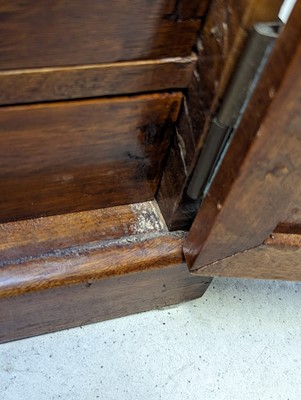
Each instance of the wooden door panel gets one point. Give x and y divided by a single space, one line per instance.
258 182
80 155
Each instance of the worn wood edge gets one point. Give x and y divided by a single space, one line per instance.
92 261
71 82
229 169
68 306
34 237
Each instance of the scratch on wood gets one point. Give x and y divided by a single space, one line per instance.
182 149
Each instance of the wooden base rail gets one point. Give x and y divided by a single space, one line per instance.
64 271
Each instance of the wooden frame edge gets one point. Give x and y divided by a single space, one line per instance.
68 306
279 258
94 282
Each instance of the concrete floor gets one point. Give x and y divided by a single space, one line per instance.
241 340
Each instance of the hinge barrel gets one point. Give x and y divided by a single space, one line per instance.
241 86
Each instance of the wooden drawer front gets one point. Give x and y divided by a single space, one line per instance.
80 155
54 33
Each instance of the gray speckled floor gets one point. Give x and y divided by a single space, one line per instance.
241 340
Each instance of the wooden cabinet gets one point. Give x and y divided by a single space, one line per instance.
105 110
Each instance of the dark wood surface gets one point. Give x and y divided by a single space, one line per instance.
88 302
92 261
262 262
80 155
259 178
34 237
45 34
97 265
60 83
188 9
221 40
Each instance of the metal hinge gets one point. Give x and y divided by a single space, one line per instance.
241 87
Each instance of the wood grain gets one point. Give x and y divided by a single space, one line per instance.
60 83
223 38
259 178
284 239
88 302
86 263
34 237
279 257
293 215
262 262
69 270
81 155
177 208
288 227
46 34
220 43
